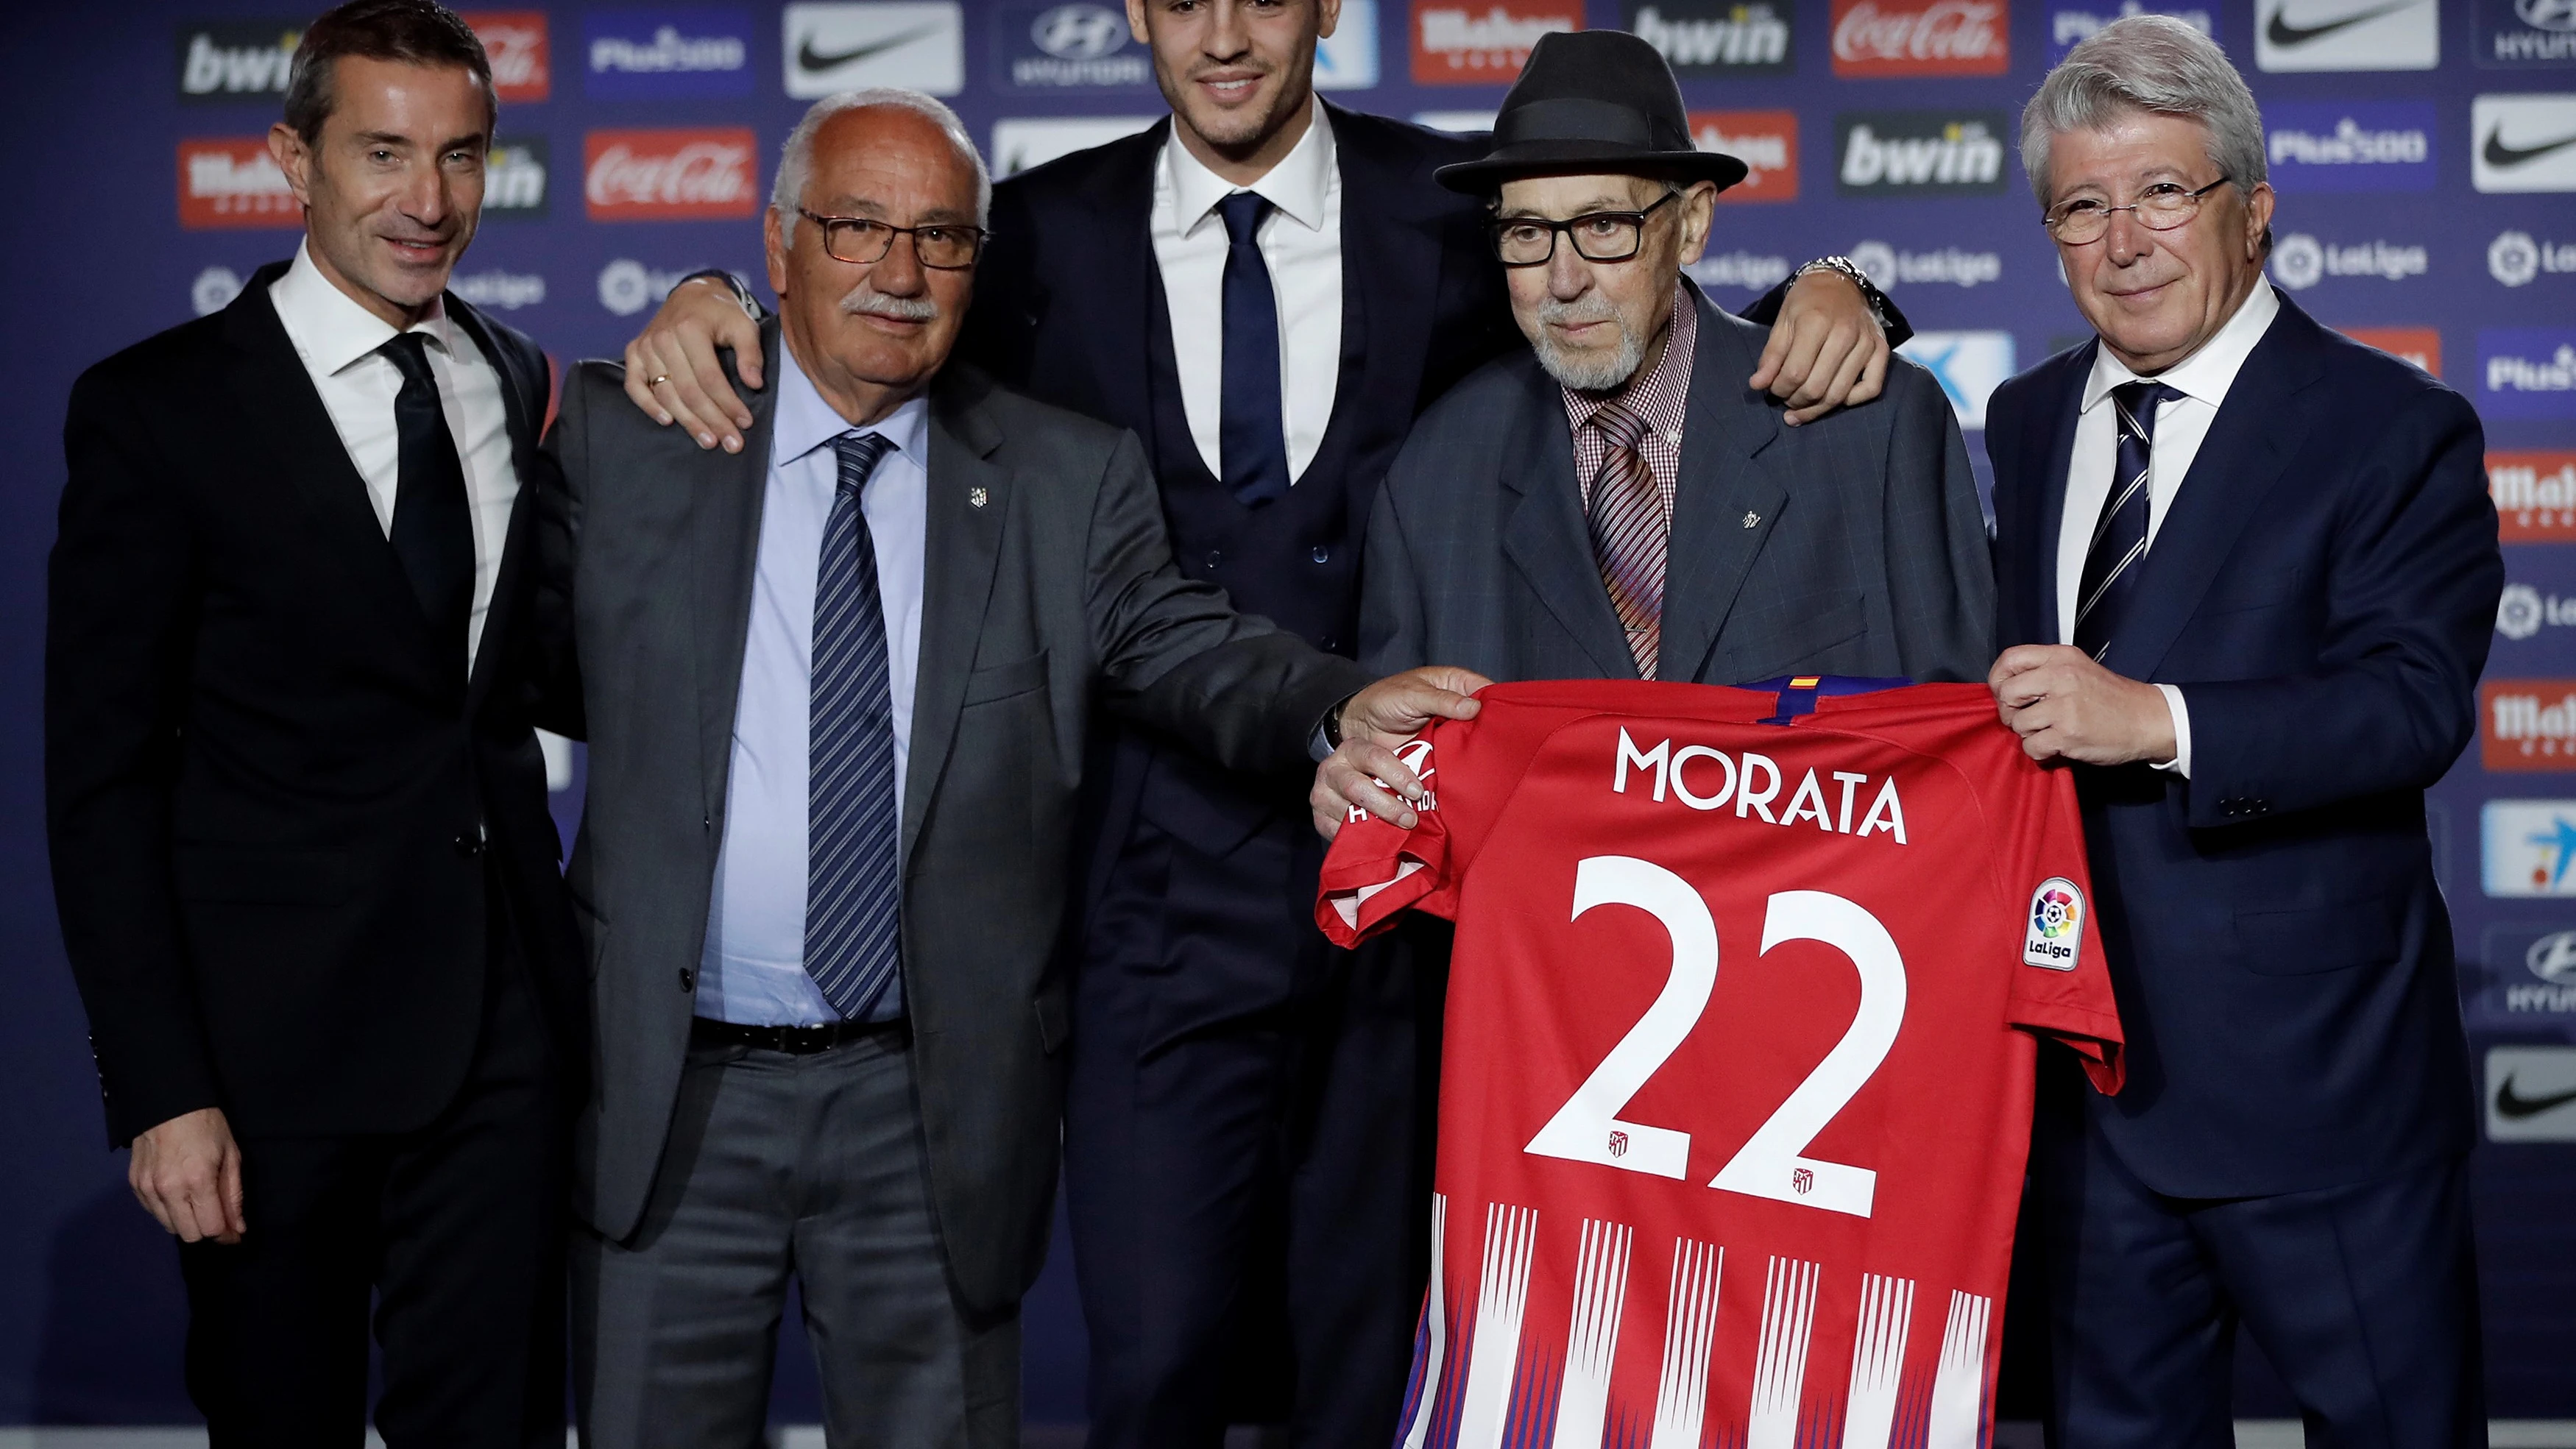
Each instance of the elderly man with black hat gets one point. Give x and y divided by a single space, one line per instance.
1615 503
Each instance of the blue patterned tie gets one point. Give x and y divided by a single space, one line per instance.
2118 553
851 885
1252 440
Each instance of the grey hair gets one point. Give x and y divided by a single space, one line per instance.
2154 63
796 160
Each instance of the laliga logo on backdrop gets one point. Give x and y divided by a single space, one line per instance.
2301 261
214 290
2515 258
1945 37
628 287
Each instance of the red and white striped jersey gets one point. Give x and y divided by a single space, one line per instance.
1736 1077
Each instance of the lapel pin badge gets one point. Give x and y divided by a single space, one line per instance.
977 497
1753 520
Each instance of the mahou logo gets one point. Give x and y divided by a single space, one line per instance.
230 181
2530 724
1483 42
670 175
1921 37
1766 141
2535 495
2421 346
515 42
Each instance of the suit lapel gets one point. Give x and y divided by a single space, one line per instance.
726 491
2052 430
2258 431
969 502
1545 536
1386 308
1724 428
1115 285
523 403
272 384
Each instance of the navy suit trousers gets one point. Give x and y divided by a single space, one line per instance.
2363 1296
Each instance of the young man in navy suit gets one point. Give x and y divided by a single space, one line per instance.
1266 289
2247 570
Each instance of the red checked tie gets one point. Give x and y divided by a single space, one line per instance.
1630 534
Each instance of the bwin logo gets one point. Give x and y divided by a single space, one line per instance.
1079 32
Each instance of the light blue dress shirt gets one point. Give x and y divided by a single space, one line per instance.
753 968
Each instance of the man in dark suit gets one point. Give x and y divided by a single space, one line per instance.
1524 530
2247 570
1266 289
298 813
867 657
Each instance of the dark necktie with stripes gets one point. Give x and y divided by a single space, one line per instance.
432 531
2118 554
1630 534
851 886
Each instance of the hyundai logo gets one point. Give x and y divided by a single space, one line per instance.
2553 958
1079 32
2547 14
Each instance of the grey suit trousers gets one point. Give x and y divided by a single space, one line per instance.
778 1166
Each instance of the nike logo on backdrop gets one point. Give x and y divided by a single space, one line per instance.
2497 153
2513 1106
2282 32
811 59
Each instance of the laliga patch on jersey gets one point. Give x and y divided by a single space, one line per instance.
2056 925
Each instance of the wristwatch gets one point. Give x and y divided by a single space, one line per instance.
1868 290
750 304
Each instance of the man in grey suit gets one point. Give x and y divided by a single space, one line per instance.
1524 531
828 1039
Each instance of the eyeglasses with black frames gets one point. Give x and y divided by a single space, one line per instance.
2163 206
1598 236
942 246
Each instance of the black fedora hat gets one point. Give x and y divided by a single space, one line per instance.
1592 101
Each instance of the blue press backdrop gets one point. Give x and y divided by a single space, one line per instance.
2426 157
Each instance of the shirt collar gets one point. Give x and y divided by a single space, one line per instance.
2208 373
1296 185
328 325
805 422
1663 391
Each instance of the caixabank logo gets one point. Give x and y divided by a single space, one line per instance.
1765 141
2527 848
2522 143
670 174
2317 146
1483 42
1968 365
1713 38
2526 725
2527 372
2535 495
228 182
236 60
1877 38
514 41
2521 34
2295 35
1920 153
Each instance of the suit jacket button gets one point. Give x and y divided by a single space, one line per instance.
688 979
468 844
1215 557
1321 554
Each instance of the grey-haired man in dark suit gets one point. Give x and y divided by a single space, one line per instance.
1614 503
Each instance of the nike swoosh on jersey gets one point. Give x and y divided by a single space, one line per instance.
2513 1106
811 59
2282 32
2497 153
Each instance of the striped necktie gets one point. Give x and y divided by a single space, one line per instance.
851 885
2118 553
1630 534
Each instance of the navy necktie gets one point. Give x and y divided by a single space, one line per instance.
2118 554
851 885
432 532
1252 441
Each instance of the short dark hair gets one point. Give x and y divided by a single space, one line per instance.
415 32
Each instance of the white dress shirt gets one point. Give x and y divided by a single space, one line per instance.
2180 424
1300 241
752 968
338 341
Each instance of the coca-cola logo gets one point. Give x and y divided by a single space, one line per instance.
1921 37
670 175
515 43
